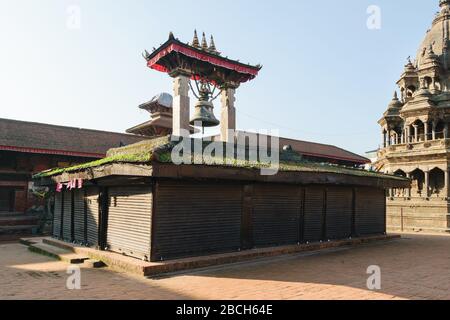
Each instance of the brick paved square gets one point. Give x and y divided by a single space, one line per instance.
415 267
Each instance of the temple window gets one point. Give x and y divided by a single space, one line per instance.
400 192
418 131
437 181
410 91
439 130
428 82
418 179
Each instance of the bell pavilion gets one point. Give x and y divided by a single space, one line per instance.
415 135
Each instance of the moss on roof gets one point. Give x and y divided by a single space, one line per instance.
130 158
160 150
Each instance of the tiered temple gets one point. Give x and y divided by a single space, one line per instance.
415 134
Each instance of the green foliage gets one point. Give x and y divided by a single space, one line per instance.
143 157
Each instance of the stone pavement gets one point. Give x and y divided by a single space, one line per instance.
416 267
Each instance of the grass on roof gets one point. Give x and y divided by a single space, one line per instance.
159 150
144 157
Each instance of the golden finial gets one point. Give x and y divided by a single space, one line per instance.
212 45
195 42
204 43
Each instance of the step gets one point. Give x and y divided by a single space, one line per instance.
18 220
57 253
18 229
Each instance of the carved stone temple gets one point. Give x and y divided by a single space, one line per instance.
415 135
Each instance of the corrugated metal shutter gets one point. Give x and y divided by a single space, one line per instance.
196 219
339 213
57 215
313 219
276 215
67 216
129 220
79 216
93 220
370 217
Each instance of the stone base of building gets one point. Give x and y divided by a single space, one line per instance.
418 215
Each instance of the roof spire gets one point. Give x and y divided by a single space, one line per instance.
204 43
171 36
443 3
212 45
395 95
195 42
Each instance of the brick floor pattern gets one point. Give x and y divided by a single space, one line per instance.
416 267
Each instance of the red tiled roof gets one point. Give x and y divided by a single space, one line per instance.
318 150
323 151
32 137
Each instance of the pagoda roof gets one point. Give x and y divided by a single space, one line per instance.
174 54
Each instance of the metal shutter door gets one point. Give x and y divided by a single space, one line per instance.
79 217
92 209
313 219
57 215
129 221
196 219
67 216
370 211
339 213
276 215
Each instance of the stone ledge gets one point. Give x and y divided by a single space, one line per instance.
122 263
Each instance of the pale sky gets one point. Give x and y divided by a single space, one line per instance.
326 76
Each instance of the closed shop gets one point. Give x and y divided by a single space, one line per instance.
370 211
313 214
7 197
276 215
196 218
92 216
339 213
57 215
129 221
79 216
67 216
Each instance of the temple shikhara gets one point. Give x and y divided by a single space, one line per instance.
415 135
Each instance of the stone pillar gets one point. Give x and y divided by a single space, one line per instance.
426 130
427 184
434 130
408 134
181 104
446 184
383 134
228 114
416 133
446 131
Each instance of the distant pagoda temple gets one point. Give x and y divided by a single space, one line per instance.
415 135
211 72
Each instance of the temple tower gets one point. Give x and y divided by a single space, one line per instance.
415 135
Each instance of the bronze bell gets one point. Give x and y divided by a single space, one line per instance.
204 111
